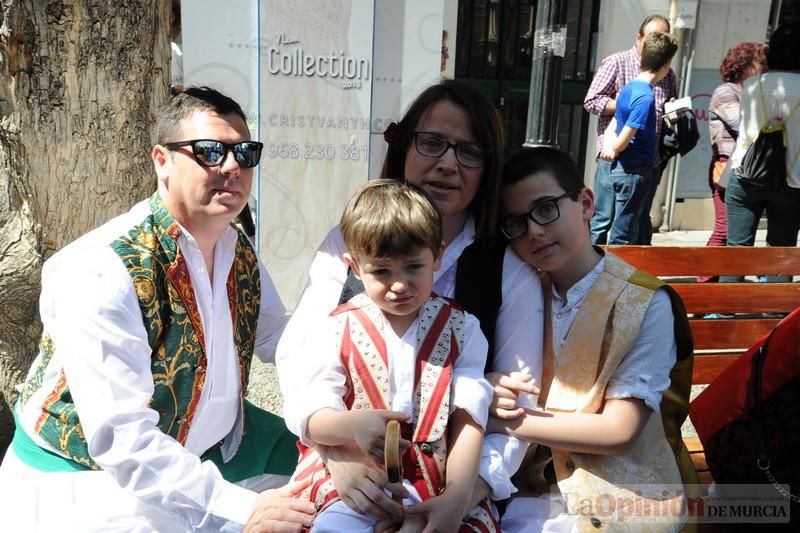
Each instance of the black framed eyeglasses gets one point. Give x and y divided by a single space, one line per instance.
430 144
543 213
211 153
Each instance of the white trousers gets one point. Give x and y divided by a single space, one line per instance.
89 501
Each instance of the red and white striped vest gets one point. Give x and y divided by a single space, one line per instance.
440 337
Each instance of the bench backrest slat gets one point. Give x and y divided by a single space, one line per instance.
739 297
718 342
729 334
711 261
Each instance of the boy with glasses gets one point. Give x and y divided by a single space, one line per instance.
133 415
613 335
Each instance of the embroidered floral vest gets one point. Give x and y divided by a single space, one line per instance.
171 318
607 492
364 355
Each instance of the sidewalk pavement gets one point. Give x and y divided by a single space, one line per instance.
695 238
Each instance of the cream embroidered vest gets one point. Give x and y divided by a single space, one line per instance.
611 492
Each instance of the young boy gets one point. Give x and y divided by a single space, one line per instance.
397 352
630 144
611 339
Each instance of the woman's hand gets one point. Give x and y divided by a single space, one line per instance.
443 513
360 482
507 387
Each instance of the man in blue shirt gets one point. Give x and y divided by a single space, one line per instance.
630 144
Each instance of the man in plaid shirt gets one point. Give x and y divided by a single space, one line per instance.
615 71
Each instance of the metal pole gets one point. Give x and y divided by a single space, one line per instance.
549 45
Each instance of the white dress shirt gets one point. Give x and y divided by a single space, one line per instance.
518 337
90 309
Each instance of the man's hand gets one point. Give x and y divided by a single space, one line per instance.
277 510
360 482
507 386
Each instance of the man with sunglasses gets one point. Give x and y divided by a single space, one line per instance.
133 415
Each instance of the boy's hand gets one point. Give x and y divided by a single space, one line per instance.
360 482
369 431
608 153
507 386
444 512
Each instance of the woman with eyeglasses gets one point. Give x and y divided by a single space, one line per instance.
450 144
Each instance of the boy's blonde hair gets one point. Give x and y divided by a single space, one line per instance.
387 218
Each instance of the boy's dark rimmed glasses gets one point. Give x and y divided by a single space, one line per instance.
543 213
430 144
211 153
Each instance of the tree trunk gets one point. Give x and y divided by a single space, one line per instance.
80 81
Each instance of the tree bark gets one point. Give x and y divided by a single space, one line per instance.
80 82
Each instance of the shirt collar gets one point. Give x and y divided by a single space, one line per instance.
581 288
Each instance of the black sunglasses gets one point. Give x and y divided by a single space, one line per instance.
211 153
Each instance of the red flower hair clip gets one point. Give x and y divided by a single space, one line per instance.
395 134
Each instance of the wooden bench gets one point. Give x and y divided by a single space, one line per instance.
718 342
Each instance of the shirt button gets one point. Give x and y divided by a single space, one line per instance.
595 522
426 448
181 421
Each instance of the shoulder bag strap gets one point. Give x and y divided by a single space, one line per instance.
762 460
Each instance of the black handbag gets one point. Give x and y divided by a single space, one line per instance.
763 165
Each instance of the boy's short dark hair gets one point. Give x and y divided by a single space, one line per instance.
543 159
658 49
389 218
191 101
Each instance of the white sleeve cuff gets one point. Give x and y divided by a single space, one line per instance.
500 452
233 503
640 389
473 396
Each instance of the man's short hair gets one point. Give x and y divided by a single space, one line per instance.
658 49
652 18
188 102
387 218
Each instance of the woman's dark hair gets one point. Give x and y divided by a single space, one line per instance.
739 58
784 47
488 131
543 159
